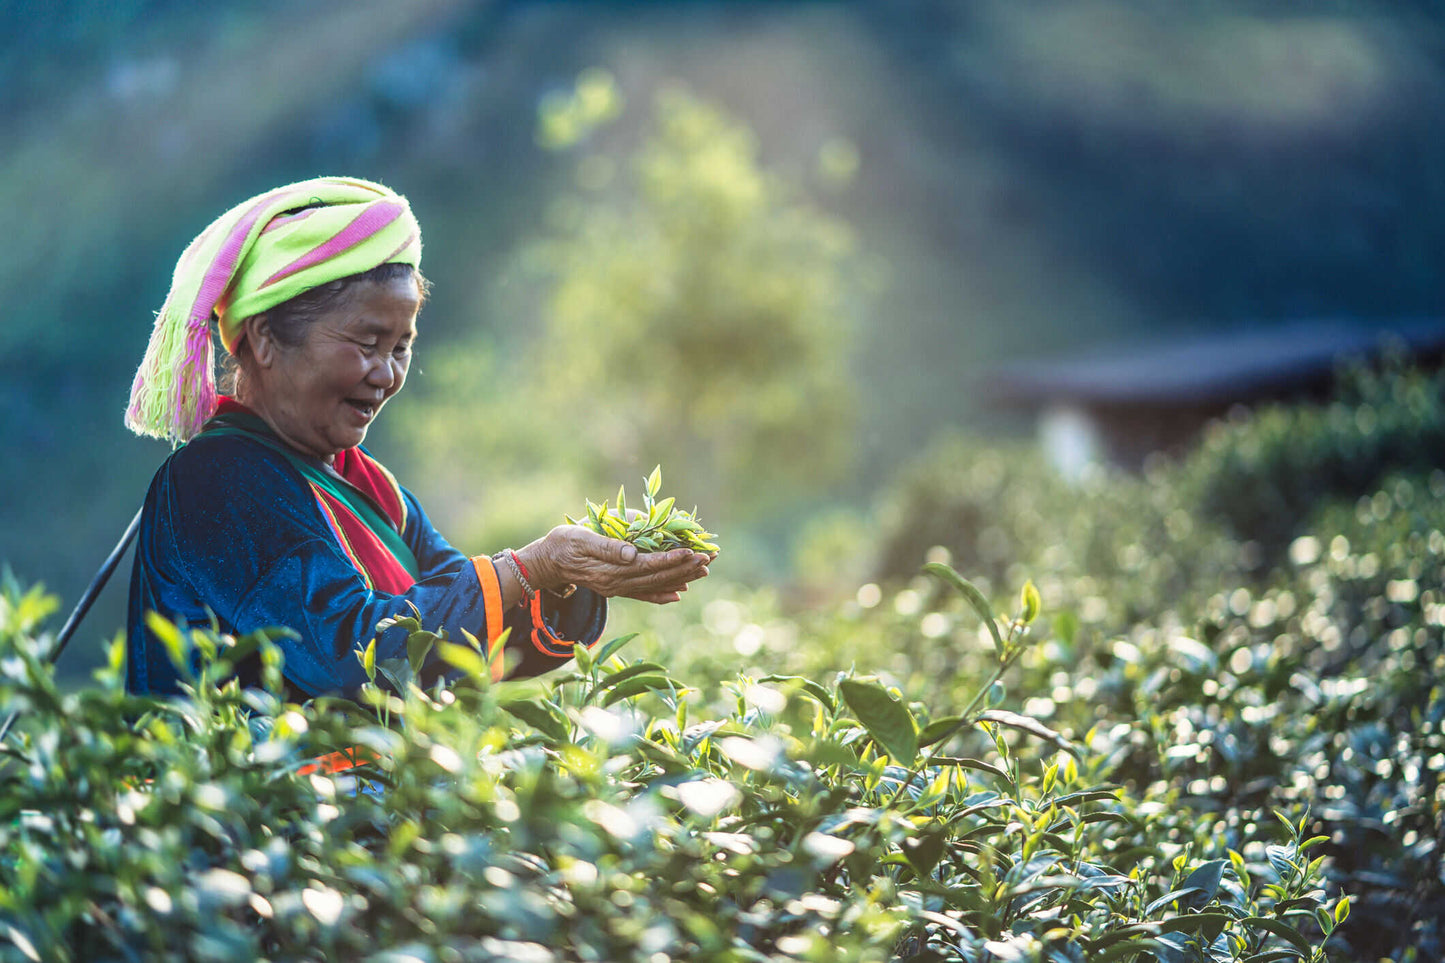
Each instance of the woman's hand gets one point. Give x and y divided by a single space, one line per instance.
609 566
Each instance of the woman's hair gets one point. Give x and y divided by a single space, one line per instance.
289 320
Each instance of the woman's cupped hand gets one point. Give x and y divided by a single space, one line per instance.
572 554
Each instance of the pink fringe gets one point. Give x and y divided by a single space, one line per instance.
194 407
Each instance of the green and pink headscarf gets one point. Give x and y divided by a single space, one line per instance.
257 255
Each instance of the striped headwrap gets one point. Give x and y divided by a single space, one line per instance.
257 255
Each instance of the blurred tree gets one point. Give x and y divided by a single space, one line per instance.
698 310
694 312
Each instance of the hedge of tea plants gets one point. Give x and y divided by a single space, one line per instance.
1255 627
604 814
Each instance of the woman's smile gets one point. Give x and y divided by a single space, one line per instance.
322 395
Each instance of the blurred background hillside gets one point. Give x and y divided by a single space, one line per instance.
775 247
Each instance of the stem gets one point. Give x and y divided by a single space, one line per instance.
964 720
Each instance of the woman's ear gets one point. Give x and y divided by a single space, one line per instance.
257 336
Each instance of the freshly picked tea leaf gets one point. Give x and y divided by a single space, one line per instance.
660 525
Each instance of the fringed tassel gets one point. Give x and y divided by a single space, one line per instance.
174 392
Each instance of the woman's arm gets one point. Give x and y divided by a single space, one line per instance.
233 531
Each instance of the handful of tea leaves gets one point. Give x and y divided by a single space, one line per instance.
656 527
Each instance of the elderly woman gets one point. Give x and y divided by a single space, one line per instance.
272 514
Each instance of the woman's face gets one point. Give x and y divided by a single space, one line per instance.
322 395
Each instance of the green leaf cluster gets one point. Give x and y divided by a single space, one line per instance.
657 527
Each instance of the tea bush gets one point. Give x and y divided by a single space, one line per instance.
1255 627
1264 478
602 814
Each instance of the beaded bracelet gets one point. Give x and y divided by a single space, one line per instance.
509 557
557 593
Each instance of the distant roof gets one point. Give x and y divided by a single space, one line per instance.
1220 368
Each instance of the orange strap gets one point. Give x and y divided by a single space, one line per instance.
492 607
543 638
339 761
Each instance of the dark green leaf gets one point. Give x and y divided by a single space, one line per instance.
1106 817
1169 897
1282 859
1205 879
938 729
1087 795
1027 724
622 675
976 764
539 717
1283 930
397 672
924 851
1120 951
887 719
418 646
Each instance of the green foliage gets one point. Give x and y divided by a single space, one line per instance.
593 816
719 333
1263 478
1256 627
658 526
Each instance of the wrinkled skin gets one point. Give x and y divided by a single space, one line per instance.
610 567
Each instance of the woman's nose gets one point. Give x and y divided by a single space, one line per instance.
383 374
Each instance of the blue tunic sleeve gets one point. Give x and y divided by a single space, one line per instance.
231 535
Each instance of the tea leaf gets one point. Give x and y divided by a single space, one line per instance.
974 598
465 658
622 675
539 717
640 684
807 685
924 851
1027 724
1205 879
1283 930
887 720
1031 602
611 648
936 730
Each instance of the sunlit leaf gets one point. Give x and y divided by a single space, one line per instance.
611 647
887 719
974 598
1030 602
807 685
1027 724
640 684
